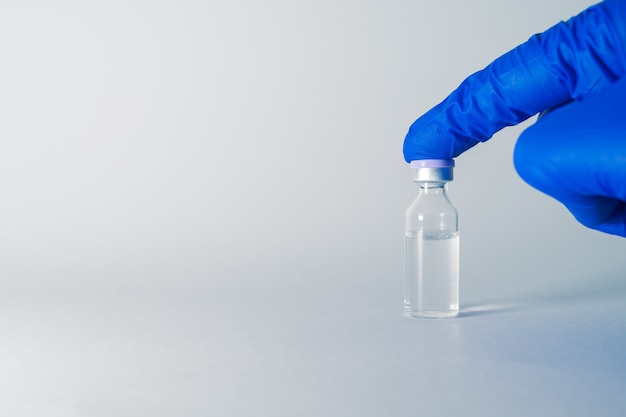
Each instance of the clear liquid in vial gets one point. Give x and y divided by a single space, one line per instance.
432 275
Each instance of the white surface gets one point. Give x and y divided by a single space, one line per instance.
202 214
317 344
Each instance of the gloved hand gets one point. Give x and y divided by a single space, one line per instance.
575 152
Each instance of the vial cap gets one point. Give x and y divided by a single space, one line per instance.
432 170
432 163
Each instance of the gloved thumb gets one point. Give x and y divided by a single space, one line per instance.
576 153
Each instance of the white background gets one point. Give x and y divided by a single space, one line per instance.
202 208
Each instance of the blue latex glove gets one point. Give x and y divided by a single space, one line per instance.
576 152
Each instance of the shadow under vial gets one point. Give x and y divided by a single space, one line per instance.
593 288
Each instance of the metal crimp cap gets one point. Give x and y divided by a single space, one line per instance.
432 170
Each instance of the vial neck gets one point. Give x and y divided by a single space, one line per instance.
433 187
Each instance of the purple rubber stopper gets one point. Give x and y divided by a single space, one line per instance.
432 163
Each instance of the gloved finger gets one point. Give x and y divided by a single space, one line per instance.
576 153
569 61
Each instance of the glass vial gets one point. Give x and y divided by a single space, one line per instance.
432 244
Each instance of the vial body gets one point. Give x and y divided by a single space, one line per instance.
432 255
